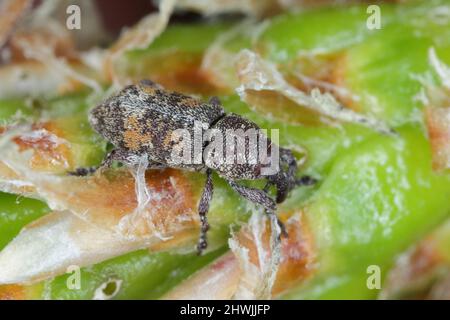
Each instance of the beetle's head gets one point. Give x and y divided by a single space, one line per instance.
104 121
285 179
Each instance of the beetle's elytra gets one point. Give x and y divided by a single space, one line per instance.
142 119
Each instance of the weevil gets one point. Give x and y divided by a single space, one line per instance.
141 120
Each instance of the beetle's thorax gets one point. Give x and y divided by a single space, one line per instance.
237 149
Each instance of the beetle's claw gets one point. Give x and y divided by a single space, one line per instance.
201 246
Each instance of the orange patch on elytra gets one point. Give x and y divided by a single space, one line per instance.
133 136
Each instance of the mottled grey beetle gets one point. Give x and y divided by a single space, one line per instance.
141 120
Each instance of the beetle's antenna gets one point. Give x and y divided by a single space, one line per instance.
285 180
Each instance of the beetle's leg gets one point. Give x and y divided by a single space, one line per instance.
284 184
203 209
267 186
259 197
281 181
110 157
106 163
254 195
